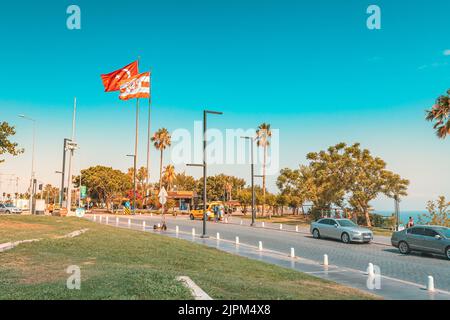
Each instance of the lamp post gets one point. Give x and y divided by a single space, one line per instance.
134 184
204 165
32 189
397 211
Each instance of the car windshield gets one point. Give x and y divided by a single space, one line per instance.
444 231
10 205
347 223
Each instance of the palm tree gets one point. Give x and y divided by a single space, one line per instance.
161 140
440 113
169 176
263 135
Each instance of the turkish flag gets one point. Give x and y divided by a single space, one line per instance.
111 81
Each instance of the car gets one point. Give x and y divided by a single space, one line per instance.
429 239
9 208
197 212
341 229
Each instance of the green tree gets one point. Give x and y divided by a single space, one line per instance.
263 135
244 197
440 115
438 213
161 140
105 183
6 146
169 176
184 182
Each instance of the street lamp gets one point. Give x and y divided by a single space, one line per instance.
204 165
134 182
32 207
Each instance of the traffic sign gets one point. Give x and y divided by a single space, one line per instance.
162 196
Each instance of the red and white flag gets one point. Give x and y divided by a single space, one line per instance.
135 87
111 81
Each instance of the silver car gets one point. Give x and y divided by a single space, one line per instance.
431 239
9 208
342 229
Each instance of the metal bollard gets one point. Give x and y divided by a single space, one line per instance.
296 228
129 223
107 219
193 232
117 221
325 260
430 284
237 240
95 217
218 236
292 253
143 225
260 246
281 226
262 224
100 219
177 229
241 222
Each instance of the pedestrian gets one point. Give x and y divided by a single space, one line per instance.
410 223
216 213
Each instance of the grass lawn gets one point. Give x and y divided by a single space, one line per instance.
127 264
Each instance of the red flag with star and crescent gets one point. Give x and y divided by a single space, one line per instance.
111 81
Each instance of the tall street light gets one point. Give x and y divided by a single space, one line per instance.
134 184
204 165
253 176
32 207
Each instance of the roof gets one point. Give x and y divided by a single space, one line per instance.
181 194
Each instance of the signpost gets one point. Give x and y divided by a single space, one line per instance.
163 199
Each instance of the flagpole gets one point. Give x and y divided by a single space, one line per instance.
135 156
148 137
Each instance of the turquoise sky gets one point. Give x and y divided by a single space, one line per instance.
310 68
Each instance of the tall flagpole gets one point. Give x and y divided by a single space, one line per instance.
148 138
69 182
135 156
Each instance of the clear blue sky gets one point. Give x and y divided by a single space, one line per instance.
310 68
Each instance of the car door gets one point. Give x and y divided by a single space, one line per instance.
335 232
324 227
2 208
431 243
414 238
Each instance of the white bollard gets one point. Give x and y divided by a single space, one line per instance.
370 271
129 222
193 232
100 219
218 236
281 226
292 253
117 221
325 260
296 228
430 284
107 219
151 214
260 247
95 217
241 222
143 225
177 229
262 225
226 220
237 240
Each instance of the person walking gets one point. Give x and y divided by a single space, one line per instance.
410 223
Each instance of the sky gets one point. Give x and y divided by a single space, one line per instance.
312 69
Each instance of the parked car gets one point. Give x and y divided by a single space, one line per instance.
9 208
342 229
197 212
431 239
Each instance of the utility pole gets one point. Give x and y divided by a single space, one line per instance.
32 180
72 147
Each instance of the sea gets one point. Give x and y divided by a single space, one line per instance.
404 215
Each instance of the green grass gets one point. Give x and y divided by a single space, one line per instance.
126 264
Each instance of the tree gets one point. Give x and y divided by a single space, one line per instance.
169 176
105 183
244 197
216 186
161 140
263 134
184 182
6 146
438 213
440 114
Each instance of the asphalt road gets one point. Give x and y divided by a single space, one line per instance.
413 268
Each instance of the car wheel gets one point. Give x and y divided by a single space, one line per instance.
316 234
447 253
403 247
8 212
191 216
345 238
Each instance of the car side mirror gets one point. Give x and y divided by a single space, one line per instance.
438 237
336 225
